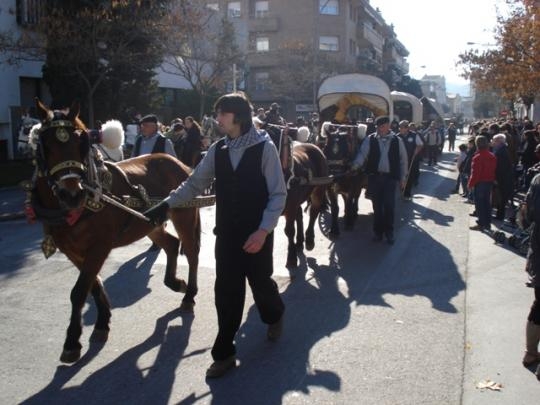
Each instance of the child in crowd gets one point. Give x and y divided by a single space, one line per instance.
462 177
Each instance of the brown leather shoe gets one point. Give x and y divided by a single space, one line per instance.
274 330
220 367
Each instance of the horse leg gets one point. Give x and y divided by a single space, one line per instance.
188 226
299 218
87 277
317 200
101 328
170 245
291 247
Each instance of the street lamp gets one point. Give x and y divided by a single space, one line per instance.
480 44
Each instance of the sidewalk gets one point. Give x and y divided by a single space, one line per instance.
497 303
11 203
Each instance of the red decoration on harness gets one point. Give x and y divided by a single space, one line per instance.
30 213
73 216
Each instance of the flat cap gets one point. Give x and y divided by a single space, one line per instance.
149 118
382 120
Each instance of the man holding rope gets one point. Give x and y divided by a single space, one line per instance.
385 158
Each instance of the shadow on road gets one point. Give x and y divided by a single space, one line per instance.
315 310
123 381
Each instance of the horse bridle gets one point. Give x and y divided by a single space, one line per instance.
62 135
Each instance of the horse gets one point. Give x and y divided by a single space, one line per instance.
86 231
300 163
340 144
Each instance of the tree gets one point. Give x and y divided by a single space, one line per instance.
203 51
97 51
513 65
409 85
302 69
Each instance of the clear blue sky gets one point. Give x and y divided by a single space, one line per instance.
435 32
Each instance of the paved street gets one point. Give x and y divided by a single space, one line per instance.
420 322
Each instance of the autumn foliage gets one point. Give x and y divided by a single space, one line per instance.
512 66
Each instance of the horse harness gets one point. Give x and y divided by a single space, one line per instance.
96 179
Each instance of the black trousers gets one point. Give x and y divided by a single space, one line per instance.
233 267
382 188
414 174
534 314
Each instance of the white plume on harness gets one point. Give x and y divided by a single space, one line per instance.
302 134
113 134
33 136
361 129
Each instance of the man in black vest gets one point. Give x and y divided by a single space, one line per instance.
250 197
413 144
151 140
385 159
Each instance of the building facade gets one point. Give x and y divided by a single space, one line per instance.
351 32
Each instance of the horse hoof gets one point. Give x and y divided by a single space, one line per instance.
310 246
70 356
177 285
187 307
99 336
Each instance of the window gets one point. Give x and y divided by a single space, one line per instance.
213 6
261 80
328 43
329 7
29 11
234 9
262 44
261 9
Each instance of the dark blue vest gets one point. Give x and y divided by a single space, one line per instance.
241 194
372 166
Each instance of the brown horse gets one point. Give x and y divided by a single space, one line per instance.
341 144
305 162
87 236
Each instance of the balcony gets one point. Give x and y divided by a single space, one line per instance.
263 22
262 59
366 35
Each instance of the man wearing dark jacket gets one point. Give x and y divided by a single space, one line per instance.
503 174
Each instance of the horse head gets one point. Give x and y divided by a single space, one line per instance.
339 147
62 148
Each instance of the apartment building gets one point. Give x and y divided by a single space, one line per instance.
352 31
20 83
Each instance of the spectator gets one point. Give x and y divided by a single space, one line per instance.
460 164
481 181
531 216
504 175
